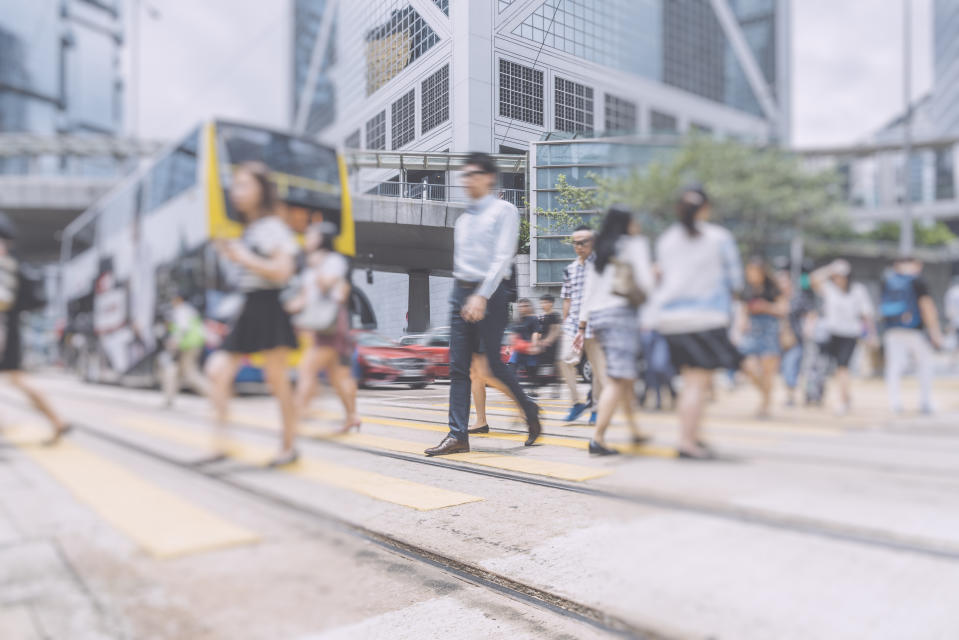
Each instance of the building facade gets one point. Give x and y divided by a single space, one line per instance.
60 72
495 75
945 101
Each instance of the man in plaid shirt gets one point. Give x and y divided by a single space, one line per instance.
574 278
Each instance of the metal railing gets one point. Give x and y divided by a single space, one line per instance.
435 192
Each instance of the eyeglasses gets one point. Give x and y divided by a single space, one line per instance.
475 172
581 243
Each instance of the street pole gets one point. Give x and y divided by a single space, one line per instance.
906 240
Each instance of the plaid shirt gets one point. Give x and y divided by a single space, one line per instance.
574 278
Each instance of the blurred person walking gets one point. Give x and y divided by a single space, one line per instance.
17 296
264 258
484 247
617 283
184 346
912 331
793 334
526 345
574 277
764 306
551 333
847 316
320 308
701 273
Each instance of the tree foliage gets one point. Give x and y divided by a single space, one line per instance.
936 235
764 195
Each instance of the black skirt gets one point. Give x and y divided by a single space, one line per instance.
703 350
840 349
11 357
263 324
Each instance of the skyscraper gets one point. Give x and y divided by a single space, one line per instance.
496 74
945 101
59 72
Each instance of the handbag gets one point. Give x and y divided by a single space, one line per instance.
624 283
320 312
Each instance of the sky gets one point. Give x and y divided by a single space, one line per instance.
206 57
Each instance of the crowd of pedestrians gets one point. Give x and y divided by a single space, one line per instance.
673 313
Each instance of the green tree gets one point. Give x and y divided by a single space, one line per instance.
764 194
935 235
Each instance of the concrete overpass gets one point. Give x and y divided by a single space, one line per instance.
43 197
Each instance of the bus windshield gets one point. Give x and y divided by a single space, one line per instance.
306 171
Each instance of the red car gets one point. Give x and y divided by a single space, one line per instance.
435 346
385 361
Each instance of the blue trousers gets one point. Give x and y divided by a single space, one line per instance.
466 339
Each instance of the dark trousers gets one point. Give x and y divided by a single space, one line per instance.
465 340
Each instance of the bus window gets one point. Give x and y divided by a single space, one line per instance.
172 174
83 239
307 173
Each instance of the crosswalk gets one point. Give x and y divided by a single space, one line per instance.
166 524
161 523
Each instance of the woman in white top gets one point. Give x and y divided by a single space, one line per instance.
613 319
324 282
264 257
847 316
700 273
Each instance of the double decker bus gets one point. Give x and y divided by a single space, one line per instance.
151 237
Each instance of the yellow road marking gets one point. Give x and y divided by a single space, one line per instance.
374 485
160 522
723 422
532 466
559 441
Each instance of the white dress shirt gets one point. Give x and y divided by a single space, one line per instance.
484 243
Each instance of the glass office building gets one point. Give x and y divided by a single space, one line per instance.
578 66
59 73
945 100
580 161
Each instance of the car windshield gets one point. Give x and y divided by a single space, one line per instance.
374 340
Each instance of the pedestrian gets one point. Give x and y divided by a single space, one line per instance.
484 248
912 330
321 308
847 316
700 273
622 265
551 332
16 296
526 344
793 335
952 315
264 261
184 345
764 305
574 276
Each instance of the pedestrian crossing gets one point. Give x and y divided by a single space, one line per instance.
161 523
398 491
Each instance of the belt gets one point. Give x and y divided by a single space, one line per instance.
467 284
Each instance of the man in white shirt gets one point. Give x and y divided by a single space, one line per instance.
484 247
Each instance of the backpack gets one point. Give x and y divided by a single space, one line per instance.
899 305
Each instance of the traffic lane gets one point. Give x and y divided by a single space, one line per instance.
301 579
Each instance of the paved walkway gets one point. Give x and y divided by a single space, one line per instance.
810 526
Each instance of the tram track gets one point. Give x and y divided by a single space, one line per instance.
468 572
670 502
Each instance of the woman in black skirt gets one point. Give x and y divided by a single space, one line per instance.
700 273
11 347
264 258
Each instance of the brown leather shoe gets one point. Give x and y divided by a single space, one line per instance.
448 446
